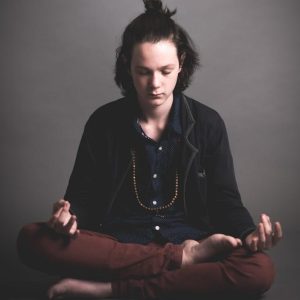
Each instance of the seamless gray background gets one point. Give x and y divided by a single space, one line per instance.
56 68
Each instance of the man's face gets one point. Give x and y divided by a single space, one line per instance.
154 69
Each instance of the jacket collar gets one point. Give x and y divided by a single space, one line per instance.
188 120
189 150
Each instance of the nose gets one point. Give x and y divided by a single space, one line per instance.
154 81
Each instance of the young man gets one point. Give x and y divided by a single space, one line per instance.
152 207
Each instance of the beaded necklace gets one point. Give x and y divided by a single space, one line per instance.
168 205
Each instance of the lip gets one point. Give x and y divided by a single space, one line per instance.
155 95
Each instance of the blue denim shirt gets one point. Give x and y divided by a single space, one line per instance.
156 164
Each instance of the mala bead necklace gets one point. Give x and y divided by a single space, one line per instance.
133 154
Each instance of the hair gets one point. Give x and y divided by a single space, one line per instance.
154 25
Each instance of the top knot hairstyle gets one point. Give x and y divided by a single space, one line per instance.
156 7
154 25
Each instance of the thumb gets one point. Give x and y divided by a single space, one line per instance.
58 205
67 206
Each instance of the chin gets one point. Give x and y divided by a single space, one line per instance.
156 101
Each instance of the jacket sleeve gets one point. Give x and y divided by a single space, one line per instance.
81 190
226 210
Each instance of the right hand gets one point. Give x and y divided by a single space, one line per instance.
62 221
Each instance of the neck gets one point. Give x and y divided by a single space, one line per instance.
156 114
154 119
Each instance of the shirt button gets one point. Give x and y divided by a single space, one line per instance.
154 202
155 175
160 148
156 227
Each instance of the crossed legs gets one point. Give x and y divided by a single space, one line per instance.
99 266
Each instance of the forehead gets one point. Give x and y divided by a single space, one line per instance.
152 54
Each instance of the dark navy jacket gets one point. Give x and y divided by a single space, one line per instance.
210 194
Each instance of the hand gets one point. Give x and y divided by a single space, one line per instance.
62 221
264 237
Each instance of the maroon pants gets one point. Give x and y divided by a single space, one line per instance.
143 271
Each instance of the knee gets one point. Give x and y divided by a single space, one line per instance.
264 274
27 240
258 274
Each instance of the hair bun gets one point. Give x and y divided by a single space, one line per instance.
156 7
153 6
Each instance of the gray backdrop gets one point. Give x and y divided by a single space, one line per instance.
56 68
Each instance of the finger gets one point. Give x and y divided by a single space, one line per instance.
249 240
253 245
74 230
57 205
71 226
261 237
67 205
60 218
239 243
53 220
63 218
76 233
277 233
58 212
234 242
267 231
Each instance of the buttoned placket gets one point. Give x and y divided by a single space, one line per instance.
155 203
156 181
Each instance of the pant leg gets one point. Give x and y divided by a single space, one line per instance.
93 255
240 273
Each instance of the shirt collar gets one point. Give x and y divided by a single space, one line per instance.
174 120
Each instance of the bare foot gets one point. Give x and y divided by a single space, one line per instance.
194 252
69 287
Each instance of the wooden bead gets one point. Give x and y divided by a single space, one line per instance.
136 190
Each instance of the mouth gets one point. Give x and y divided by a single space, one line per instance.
152 95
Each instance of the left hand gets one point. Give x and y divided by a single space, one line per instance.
265 236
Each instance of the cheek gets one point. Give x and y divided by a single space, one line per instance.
136 80
139 83
173 80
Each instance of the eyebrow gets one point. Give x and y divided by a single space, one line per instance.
163 67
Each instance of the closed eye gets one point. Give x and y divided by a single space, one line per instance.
143 72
